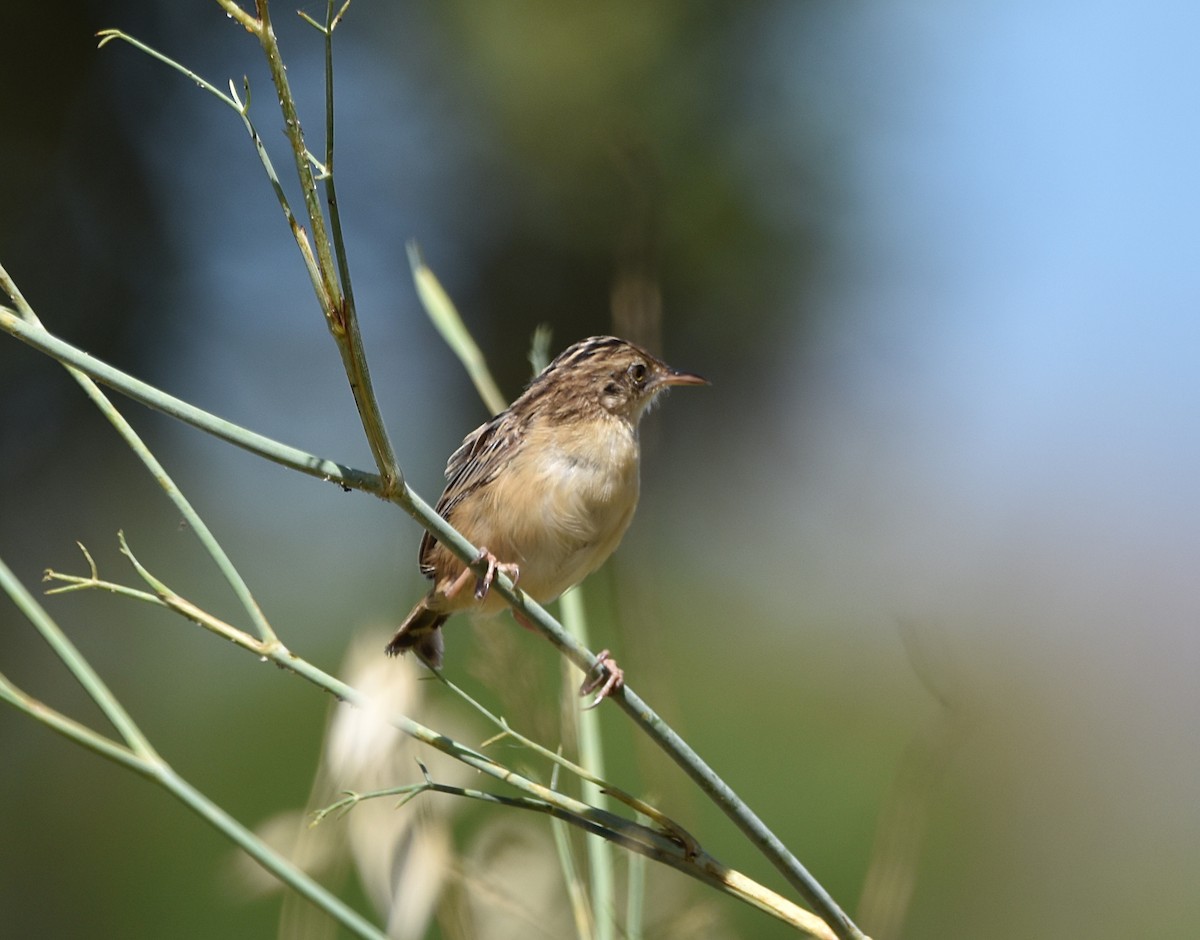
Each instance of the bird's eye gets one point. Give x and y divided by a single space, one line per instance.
637 372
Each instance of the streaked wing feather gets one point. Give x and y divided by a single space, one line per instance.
472 465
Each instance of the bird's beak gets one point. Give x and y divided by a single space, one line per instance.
675 377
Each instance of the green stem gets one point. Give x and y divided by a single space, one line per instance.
142 758
635 895
445 317
335 301
317 255
331 201
38 338
328 291
69 728
591 755
580 910
278 866
408 500
80 668
232 576
635 837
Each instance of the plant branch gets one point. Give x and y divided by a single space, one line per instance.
327 176
601 866
242 108
253 846
39 338
444 315
627 835
69 728
390 485
334 297
317 254
581 910
329 291
683 855
669 827
140 757
408 500
235 12
29 321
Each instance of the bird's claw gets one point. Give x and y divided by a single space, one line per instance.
607 677
483 583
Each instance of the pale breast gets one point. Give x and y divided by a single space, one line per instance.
560 509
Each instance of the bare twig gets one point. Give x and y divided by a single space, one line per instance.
659 846
641 713
137 754
331 287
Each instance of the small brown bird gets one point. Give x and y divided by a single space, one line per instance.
546 489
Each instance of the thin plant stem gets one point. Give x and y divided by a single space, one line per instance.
139 756
342 322
336 303
591 755
444 315
710 873
580 909
328 177
67 727
408 500
317 254
37 337
139 746
643 809
635 895
667 848
329 292
280 867
235 12
204 535
240 104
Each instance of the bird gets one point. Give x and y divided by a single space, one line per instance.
545 490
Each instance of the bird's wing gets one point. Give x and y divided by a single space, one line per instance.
474 464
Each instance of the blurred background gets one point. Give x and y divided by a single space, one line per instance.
916 574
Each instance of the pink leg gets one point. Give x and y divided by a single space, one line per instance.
609 676
459 583
483 582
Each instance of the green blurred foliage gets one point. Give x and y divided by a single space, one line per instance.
604 147
638 167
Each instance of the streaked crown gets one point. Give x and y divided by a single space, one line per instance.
603 372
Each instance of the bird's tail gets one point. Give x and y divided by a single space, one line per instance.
422 631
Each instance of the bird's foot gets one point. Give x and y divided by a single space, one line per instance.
483 583
608 676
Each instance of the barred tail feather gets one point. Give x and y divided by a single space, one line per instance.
422 631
